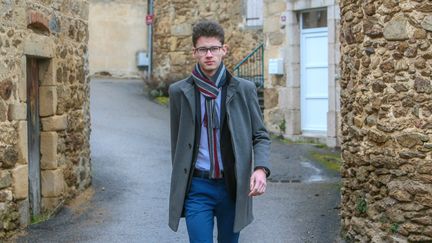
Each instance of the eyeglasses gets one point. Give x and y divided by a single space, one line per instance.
202 51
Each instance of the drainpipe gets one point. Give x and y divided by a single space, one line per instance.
150 38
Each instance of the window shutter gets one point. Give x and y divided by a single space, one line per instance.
254 13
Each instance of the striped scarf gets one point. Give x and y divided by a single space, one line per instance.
210 90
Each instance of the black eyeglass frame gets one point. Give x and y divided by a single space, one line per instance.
202 51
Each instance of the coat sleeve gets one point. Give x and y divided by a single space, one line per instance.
174 107
260 136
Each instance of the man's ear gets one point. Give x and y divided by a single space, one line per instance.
225 48
193 52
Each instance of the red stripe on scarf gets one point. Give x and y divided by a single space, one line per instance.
207 93
203 78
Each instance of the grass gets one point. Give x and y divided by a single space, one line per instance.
321 146
299 141
282 139
40 218
331 161
162 100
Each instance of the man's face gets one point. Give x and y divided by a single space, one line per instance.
209 53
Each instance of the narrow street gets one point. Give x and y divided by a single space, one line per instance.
128 200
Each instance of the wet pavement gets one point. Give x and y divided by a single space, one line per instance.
128 200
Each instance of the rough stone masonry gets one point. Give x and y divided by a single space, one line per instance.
386 59
55 34
173 30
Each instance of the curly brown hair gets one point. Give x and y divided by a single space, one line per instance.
207 28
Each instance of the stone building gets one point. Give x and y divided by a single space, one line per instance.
174 19
386 109
44 107
118 31
302 96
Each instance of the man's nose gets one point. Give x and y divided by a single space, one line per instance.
209 53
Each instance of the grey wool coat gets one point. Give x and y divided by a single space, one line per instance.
250 139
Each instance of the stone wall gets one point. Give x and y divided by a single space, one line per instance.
172 58
55 34
276 112
386 107
118 31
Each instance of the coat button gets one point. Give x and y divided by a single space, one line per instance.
190 146
185 170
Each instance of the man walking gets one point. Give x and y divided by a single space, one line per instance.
219 145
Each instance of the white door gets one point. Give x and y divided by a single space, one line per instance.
314 80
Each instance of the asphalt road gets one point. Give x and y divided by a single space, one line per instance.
128 200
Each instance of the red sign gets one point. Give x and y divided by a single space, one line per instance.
149 19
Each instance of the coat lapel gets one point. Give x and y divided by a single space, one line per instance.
189 93
228 92
232 89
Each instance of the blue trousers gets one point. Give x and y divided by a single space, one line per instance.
208 198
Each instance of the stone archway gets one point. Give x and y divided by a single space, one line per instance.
44 176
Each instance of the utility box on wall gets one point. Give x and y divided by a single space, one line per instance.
142 59
275 66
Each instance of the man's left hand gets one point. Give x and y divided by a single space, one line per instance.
258 183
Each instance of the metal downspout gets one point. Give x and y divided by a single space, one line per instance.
150 41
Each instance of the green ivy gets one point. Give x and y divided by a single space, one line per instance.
361 205
394 228
282 126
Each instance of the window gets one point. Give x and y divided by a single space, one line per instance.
254 12
314 19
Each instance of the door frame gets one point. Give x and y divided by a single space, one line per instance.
321 31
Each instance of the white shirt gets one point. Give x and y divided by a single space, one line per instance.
203 158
